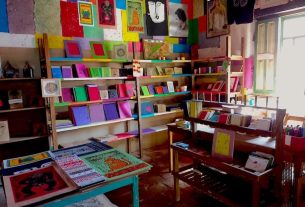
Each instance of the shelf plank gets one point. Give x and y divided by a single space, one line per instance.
21 109
19 79
166 95
93 79
158 114
210 74
164 61
62 59
167 76
214 59
65 104
20 139
241 129
93 125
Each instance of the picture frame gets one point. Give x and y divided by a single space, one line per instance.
97 50
217 22
73 49
234 83
51 87
106 13
223 144
120 51
217 86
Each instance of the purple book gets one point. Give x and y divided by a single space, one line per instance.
165 89
151 89
111 111
67 72
67 95
81 70
124 109
80 115
96 113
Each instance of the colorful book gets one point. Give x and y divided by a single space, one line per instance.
124 109
224 118
111 111
95 72
67 95
112 93
67 72
80 94
147 108
81 70
93 92
115 72
145 91
96 112
170 86
56 72
169 71
105 71
151 89
125 90
165 89
159 89
104 94
80 115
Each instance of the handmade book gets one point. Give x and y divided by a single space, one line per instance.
125 90
111 111
224 118
124 109
159 89
14 162
80 115
160 70
80 94
257 163
145 91
114 164
169 71
104 94
147 108
112 93
236 119
67 95
178 70
67 72
106 71
151 89
95 72
56 72
37 185
96 112
93 92
15 99
115 72
160 108
81 70
165 89
223 144
170 86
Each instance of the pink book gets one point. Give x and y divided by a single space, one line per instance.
96 112
125 90
124 109
81 70
93 92
67 95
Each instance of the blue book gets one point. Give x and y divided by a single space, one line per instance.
111 111
80 115
151 89
165 89
56 72
112 93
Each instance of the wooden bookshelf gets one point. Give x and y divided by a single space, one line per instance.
21 109
65 104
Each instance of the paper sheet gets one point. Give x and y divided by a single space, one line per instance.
128 36
69 20
115 34
96 31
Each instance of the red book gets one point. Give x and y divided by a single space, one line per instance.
67 95
202 115
223 118
125 90
93 92
159 89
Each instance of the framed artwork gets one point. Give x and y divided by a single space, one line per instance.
153 49
72 49
97 50
51 87
120 51
218 86
223 144
217 18
135 16
106 13
36 185
233 83
178 21
85 13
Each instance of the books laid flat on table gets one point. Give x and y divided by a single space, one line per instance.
63 123
80 115
100 201
96 112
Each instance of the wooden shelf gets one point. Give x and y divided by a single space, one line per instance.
164 61
234 128
20 139
94 79
210 74
166 95
21 109
215 59
18 79
62 59
65 104
158 114
166 76
93 125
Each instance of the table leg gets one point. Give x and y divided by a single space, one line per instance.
135 192
176 179
255 194
170 142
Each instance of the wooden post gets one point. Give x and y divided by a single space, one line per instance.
139 115
176 179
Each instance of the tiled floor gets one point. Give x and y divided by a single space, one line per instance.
156 187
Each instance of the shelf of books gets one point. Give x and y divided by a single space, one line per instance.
64 59
163 61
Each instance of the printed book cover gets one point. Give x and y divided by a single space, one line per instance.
67 95
14 162
124 109
111 111
37 185
96 112
80 115
115 164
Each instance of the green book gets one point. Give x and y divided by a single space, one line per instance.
95 72
145 90
106 71
80 94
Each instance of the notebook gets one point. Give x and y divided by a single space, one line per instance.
95 72
145 91
80 94
93 92
112 93
104 94
56 72
165 89
67 95
159 89
106 71
80 115
66 72
125 90
96 112
111 111
147 108
124 109
81 71
151 89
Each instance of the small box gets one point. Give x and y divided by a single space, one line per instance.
160 108
4 132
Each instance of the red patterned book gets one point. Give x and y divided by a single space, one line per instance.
93 92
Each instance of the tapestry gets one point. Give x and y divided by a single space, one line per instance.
178 21
156 18
106 13
135 16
